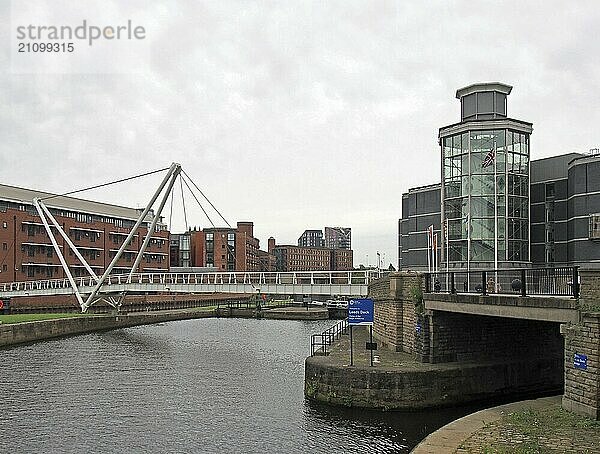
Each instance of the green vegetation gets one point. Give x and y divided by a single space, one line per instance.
537 431
416 295
22 318
531 422
590 307
525 448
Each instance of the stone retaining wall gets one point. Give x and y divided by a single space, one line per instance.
17 333
431 386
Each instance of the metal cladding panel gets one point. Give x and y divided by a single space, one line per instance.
560 253
577 180
593 176
428 201
554 168
405 202
561 189
538 253
538 233
538 213
538 193
560 231
423 222
560 210
585 251
581 228
593 205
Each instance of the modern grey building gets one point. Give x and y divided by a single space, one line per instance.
565 209
311 238
338 237
500 210
420 209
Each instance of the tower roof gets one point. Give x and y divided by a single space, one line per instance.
483 86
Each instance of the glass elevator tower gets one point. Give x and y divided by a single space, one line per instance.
485 183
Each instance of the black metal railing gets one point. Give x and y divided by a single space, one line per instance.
556 281
319 343
253 303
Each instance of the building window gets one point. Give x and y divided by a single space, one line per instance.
549 190
4 225
4 246
594 226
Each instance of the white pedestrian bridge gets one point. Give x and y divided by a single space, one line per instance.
334 283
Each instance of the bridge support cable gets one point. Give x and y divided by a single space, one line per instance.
40 205
206 198
36 202
174 176
105 184
175 168
199 204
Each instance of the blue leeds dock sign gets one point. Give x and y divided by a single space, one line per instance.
580 361
360 312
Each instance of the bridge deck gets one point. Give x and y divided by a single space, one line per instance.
544 308
347 283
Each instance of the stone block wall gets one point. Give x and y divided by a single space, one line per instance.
395 316
582 378
589 294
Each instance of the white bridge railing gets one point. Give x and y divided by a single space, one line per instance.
254 279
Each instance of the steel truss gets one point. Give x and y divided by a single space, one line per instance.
86 300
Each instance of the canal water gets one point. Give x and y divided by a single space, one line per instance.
206 385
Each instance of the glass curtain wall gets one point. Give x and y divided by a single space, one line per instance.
486 184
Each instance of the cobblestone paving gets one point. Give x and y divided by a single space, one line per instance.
549 430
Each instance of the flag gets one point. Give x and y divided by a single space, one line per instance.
489 159
430 235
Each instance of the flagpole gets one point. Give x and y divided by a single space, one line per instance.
446 237
428 250
495 218
435 254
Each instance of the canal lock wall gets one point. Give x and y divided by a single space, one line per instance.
463 357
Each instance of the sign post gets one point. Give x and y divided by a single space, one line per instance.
360 312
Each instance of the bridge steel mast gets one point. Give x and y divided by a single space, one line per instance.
43 211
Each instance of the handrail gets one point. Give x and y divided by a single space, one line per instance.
361 277
551 281
320 342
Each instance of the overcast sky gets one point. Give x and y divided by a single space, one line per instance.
293 114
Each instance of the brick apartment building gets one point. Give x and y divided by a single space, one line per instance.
300 258
223 248
97 229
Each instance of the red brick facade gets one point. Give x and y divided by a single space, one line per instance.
298 258
26 251
229 249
